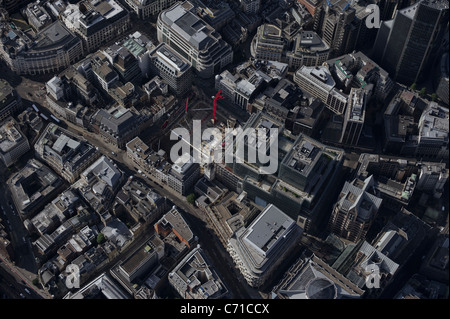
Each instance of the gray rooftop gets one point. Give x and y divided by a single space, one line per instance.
105 170
193 29
268 228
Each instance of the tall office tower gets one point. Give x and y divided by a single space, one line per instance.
354 117
315 8
389 7
269 44
337 31
407 45
341 24
355 210
250 6
13 5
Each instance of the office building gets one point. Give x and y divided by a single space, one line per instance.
356 70
37 16
102 287
99 183
355 210
407 45
194 39
306 117
401 123
139 263
432 178
257 250
10 101
250 6
401 236
50 50
139 45
357 262
96 21
308 49
55 213
217 14
432 141
139 201
442 90
311 278
124 63
354 117
194 278
246 86
183 175
282 98
229 213
305 169
13 144
118 125
395 179
318 82
341 24
32 187
436 262
173 68
66 154
145 9
75 86
173 224
309 164
12 6
72 97
269 44
138 151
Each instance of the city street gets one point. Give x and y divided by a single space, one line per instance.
24 266
220 258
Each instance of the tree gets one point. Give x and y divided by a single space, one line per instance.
36 282
191 198
433 97
101 238
413 86
423 92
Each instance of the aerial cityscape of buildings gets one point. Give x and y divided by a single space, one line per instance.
320 171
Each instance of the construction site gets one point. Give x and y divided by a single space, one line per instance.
210 114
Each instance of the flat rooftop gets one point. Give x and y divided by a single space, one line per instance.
189 26
169 56
140 256
271 225
177 222
10 135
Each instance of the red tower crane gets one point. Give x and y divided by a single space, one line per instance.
218 96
